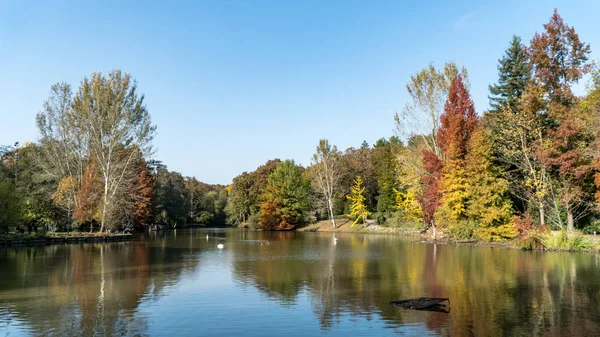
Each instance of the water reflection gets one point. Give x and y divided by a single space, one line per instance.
298 284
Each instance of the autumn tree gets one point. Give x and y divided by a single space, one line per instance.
559 60
113 118
359 162
409 184
143 194
358 209
62 149
567 154
88 195
516 145
285 199
428 90
260 180
457 124
488 205
325 173
65 196
590 112
429 200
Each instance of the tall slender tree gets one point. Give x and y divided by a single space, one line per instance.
458 123
430 199
559 60
326 173
358 209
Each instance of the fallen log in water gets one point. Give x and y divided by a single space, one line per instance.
423 303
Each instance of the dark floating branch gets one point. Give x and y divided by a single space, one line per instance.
424 303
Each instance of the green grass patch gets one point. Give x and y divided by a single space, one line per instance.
562 241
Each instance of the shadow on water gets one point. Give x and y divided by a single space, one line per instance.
132 288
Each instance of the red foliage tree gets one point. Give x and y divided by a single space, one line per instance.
558 59
567 153
458 121
430 199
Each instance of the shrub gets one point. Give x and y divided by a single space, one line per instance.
381 218
500 233
592 228
562 241
463 230
529 234
398 220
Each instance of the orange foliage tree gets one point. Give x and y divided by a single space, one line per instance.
143 193
88 196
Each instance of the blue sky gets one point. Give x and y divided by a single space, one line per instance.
231 84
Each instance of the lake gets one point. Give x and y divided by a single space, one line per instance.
179 283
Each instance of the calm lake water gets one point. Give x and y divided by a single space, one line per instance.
180 284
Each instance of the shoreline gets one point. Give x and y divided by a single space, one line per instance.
344 226
62 238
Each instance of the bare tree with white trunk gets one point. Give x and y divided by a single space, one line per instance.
325 173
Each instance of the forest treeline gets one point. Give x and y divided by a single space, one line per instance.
91 168
528 164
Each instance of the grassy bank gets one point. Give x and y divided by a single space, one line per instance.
550 241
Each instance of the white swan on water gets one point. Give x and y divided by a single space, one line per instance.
220 246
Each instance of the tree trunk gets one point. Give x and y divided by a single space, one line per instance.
434 230
330 202
570 221
103 222
542 214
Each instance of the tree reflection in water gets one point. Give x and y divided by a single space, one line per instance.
109 289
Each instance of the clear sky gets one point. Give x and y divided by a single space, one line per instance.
231 84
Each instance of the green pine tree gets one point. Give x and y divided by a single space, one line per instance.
513 75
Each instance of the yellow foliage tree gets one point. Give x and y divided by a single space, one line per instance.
488 205
358 209
454 186
64 197
410 172
408 203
